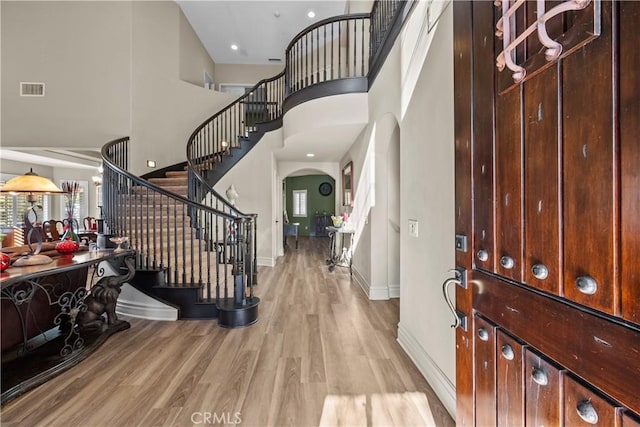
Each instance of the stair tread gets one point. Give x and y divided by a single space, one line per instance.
174 188
175 174
170 181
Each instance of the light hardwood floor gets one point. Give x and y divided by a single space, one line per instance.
320 354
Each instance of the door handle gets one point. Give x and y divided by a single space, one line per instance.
460 320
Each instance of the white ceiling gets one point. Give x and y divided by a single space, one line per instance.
253 26
54 158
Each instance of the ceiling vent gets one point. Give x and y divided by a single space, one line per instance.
31 89
275 60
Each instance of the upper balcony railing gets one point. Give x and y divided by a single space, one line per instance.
384 14
331 49
337 48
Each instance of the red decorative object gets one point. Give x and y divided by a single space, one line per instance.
5 261
67 247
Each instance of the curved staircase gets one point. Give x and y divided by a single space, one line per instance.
196 251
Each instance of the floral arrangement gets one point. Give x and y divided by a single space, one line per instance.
72 188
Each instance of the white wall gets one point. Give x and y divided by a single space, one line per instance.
81 51
371 152
427 182
165 109
194 58
253 178
245 74
19 168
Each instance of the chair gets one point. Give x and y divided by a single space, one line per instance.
90 223
53 230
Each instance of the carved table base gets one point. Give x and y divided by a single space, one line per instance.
51 323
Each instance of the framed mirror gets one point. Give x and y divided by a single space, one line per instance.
347 184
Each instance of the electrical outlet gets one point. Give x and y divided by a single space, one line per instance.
413 227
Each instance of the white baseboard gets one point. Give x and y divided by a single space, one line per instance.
361 280
376 294
266 261
441 385
394 291
134 303
371 292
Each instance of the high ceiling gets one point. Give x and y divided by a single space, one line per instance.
260 29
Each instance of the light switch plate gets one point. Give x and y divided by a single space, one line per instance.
413 227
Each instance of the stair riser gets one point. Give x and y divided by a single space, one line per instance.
170 182
177 174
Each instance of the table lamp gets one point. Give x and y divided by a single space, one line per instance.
32 184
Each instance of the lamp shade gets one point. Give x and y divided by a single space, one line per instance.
30 182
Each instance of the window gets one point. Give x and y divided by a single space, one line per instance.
300 203
81 207
12 207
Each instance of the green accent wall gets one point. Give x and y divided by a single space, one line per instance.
316 202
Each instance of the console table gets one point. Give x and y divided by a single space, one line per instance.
340 248
51 321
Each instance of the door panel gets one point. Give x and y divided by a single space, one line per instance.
583 407
509 184
510 381
630 155
543 391
483 88
485 372
543 258
589 178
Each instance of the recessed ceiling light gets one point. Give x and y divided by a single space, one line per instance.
310 155
311 14
234 47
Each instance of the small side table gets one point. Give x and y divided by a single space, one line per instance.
340 256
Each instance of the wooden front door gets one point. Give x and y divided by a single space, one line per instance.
547 107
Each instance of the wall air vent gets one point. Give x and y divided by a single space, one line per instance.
275 60
31 89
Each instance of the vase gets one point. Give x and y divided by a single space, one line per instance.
70 233
5 261
67 247
70 241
